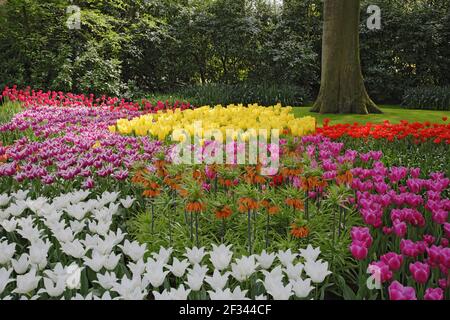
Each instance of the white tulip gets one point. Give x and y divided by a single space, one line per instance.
21 266
239 295
53 289
154 265
96 262
219 295
16 209
57 274
217 281
105 247
286 257
36 205
79 297
128 289
47 209
73 280
265 260
9 225
65 235
76 211
163 296
276 273
7 251
52 220
20 194
105 297
30 233
77 226
5 278
4 215
91 242
156 277
281 292
107 281
310 254
133 250
302 288
294 272
180 294
261 298
199 270
243 268
195 281
178 268
127 202
135 295
273 280
74 249
115 238
163 255
113 208
317 270
110 196
100 227
27 282
4 199
221 256
79 196
103 215
138 268
112 260
195 255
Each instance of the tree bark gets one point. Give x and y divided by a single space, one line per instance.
342 87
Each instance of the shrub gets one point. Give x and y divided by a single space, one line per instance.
263 94
431 98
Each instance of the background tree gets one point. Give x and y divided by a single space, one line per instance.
342 87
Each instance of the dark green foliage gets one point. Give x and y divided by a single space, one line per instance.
430 98
133 47
264 94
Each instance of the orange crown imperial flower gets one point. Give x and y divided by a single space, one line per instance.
246 204
295 203
224 213
299 232
195 207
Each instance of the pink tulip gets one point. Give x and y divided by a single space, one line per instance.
362 235
398 292
393 260
420 272
359 250
382 269
434 294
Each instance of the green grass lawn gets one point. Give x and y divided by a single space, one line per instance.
392 113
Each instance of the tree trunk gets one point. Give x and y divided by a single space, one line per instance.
342 87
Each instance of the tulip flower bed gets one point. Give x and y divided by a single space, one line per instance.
32 98
419 132
235 117
94 205
70 247
423 145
